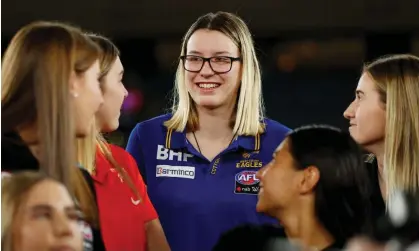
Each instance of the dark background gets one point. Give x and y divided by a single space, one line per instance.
311 51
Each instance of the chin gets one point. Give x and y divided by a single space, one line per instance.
354 136
110 127
81 134
260 207
209 104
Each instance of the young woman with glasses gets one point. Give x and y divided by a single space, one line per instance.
200 161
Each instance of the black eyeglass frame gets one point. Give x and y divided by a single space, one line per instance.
204 60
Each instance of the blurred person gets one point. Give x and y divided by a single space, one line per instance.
200 161
364 244
317 187
38 213
50 94
384 120
250 238
128 220
397 230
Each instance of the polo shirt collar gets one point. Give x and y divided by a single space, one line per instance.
178 140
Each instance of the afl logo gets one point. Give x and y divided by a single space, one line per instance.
247 178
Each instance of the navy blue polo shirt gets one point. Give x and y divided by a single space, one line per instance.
197 200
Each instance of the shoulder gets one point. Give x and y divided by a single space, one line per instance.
156 121
88 179
371 164
274 134
118 152
123 157
274 127
152 125
260 236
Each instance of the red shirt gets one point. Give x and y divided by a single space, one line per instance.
122 217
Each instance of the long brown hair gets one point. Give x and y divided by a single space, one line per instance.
396 78
88 147
36 72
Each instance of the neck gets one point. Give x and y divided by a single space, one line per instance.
378 151
215 123
303 226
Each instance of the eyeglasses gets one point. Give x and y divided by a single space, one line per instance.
219 64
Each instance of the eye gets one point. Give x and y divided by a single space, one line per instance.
221 60
42 214
193 59
75 215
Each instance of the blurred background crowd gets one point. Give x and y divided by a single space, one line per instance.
307 49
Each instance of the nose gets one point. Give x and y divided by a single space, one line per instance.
62 226
349 112
260 173
206 69
125 92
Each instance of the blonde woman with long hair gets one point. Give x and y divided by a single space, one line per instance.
38 213
384 120
128 220
50 94
200 161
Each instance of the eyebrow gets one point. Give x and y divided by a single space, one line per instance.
48 207
359 92
216 53
122 72
41 207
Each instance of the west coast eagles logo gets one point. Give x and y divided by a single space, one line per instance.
249 163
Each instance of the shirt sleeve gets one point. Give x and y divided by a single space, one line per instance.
134 148
149 211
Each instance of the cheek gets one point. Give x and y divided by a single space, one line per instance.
370 125
189 79
32 236
279 181
94 86
77 233
231 78
371 118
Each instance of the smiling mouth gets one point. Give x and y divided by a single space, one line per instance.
208 86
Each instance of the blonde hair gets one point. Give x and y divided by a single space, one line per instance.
109 53
36 71
14 190
87 150
87 147
397 80
249 109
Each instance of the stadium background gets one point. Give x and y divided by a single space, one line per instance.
311 51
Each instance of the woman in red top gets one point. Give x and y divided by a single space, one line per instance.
127 218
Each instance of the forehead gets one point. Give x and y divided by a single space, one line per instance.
94 69
282 149
366 83
49 192
207 41
117 66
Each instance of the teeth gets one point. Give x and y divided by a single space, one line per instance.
208 86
